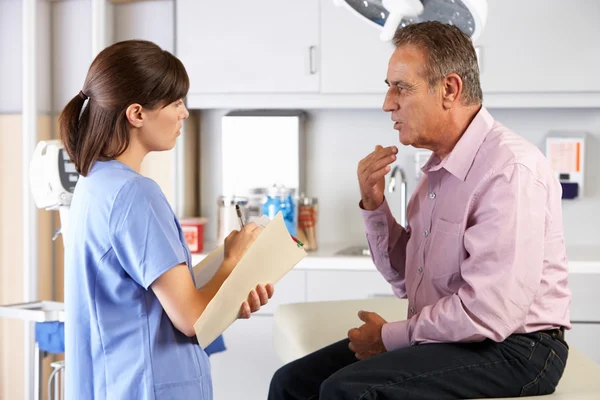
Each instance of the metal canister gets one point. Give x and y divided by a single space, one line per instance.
256 199
227 217
307 222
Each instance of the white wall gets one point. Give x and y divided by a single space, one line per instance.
10 56
338 139
72 37
581 217
65 30
152 20
72 49
350 134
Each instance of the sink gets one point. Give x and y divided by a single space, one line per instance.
360 251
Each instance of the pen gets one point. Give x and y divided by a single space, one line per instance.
297 241
238 210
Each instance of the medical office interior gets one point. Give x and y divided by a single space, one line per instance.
285 99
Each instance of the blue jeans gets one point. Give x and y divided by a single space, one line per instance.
522 365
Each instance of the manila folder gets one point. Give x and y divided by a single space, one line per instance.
272 255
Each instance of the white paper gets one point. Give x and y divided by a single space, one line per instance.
271 256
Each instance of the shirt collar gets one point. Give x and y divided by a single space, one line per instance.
461 158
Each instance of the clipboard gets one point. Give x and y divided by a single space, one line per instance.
272 255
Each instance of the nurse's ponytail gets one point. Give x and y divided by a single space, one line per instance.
69 126
93 125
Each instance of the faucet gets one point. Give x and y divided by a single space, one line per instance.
392 188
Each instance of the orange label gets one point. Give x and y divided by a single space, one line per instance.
578 162
190 233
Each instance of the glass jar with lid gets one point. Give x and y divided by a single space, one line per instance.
227 216
280 198
307 222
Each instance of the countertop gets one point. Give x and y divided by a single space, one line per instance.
583 259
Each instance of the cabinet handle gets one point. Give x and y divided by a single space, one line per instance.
380 295
312 56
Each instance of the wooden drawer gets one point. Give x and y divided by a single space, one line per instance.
345 285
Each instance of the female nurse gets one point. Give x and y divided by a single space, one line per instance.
130 296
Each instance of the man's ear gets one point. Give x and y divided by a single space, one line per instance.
452 90
135 115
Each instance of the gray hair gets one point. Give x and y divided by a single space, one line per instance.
449 50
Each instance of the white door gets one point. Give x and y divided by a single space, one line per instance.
241 46
353 58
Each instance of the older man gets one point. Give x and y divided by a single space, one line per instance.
482 259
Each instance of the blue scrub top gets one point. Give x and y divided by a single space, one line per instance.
119 342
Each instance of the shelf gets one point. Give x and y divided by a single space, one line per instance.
38 311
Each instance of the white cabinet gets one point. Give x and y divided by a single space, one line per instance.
544 46
584 336
585 318
353 58
290 289
245 369
345 285
241 46
312 54
585 297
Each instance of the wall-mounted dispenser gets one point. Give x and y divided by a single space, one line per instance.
566 153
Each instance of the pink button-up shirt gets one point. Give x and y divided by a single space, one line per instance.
483 255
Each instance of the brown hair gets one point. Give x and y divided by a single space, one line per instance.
449 50
128 72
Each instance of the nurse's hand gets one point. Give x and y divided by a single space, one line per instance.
238 242
256 299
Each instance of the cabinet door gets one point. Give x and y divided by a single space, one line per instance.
245 369
241 46
585 297
345 285
540 46
290 289
353 59
584 337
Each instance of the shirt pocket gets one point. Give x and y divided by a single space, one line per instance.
443 257
186 389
